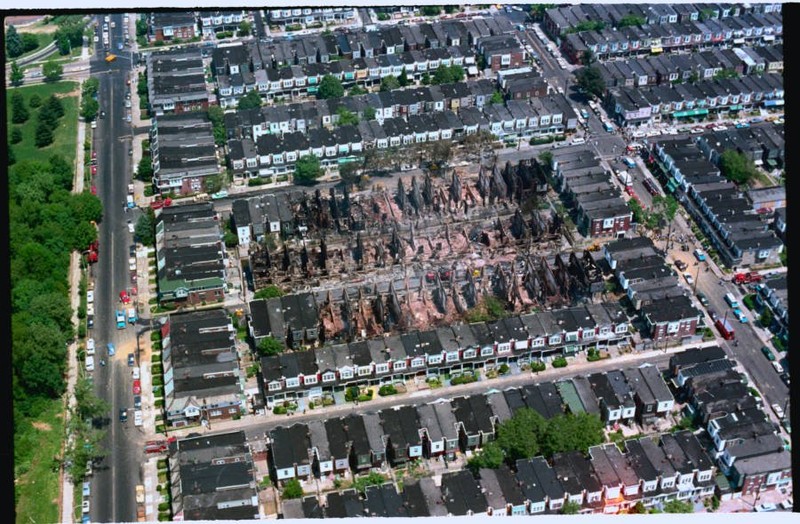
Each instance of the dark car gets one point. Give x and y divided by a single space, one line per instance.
123 415
132 251
768 353
680 264
137 402
130 359
786 380
702 298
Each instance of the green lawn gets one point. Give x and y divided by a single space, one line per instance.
38 488
66 135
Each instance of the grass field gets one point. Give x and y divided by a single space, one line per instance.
38 487
66 135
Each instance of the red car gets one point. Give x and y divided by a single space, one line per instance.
94 170
123 296
94 154
137 386
94 190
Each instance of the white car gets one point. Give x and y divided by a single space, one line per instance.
578 140
778 410
131 227
132 263
85 506
137 418
689 279
135 373
89 297
89 363
777 367
90 346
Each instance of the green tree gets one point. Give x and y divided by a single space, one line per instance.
425 79
537 11
591 81
631 20
292 489
269 292
145 228
571 432
16 135
44 134
372 479
638 509
403 79
29 42
245 28
217 117
491 456
307 170
19 112
357 90
54 106
330 87
346 117
546 159
737 167
349 173
430 10
250 100
389 83
497 98
17 76
13 42
766 317
678 506
12 157
518 436
448 74
52 71
87 405
89 108
588 58
726 74
369 113
570 508
268 346
145 170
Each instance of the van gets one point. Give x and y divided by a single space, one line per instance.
731 300
129 202
578 140
201 197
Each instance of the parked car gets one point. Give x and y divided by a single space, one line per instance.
777 367
130 359
135 373
111 350
137 418
778 410
699 255
137 402
87 489
681 265
137 387
702 298
90 346
123 296
689 279
123 415
740 315
786 379
768 353
131 227
219 194
85 506
132 263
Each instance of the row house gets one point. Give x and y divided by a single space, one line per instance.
176 81
609 43
635 107
288 453
309 15
213 22
773 294
165 26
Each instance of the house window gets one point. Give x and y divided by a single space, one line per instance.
364 371
673 327
503 348
764 253
233 410
435 359
417 362
292 382
572 337
398 366
346 373
452 357
621 328
555 339
469 353
382 368
328 377
588 335
274 386
539 342
310 380
215 413
487 351
608 223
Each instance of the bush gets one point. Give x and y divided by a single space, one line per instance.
559 362
387 390
538 366
328 401
466 378
155 336
159 403
504 369
158 380
279 410
164 506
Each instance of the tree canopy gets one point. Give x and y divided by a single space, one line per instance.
330 87
269 346
678 506
13 42
292 489
346 117
17 76
52 71
269 292
249 101
448 74
307 170
388 83
737 167
591 81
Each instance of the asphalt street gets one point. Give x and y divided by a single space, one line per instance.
115 477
